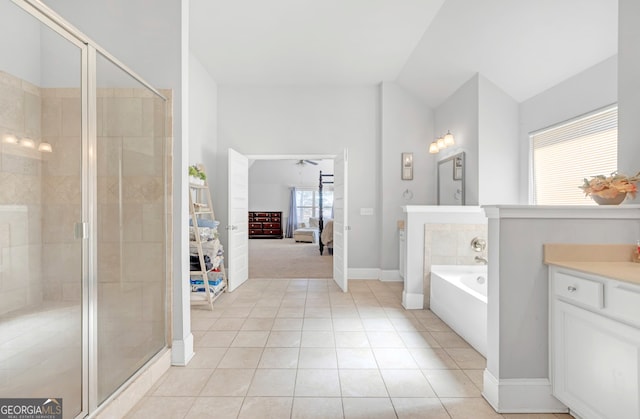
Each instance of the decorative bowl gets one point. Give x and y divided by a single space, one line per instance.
616 200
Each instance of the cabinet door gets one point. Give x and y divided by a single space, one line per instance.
596 364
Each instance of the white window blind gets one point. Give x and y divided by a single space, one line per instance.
566 154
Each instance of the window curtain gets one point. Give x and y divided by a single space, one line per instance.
292 221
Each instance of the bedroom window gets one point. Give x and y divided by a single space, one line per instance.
308 205
565 154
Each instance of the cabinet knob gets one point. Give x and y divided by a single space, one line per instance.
571 288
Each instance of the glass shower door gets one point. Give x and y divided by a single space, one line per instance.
131 249
41 193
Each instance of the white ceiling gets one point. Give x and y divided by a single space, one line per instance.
430 47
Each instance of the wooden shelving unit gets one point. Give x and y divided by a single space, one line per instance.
209 280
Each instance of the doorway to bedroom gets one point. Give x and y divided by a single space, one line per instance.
288 246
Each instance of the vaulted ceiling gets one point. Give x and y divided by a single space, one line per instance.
430 47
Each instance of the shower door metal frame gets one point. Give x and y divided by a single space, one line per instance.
87 227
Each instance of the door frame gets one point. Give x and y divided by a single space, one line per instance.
296 157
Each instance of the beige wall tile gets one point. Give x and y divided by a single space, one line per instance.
71 117
123 116
32 112
143 261
11 108
58 222
69 92
12 300
66 159
10 80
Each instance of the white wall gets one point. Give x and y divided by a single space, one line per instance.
145 38
498 148
407 126
594 88
19 58
203 118
459 114
629 87
309 120
270 182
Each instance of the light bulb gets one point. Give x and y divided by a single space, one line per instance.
45 147
10 139
448 139
28 143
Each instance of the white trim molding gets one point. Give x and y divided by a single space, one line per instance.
412 301
384 275
624 212
364 273
182 351
390 275
518 395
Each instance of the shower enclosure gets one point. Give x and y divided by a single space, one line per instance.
84 169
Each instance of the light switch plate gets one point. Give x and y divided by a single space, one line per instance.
366 211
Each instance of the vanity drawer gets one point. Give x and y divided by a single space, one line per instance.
624 302
580 290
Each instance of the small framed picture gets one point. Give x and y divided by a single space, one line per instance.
458 168
407 166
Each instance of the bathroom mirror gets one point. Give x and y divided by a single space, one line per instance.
451 180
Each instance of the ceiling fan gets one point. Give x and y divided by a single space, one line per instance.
305 162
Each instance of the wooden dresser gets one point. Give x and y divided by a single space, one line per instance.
265 224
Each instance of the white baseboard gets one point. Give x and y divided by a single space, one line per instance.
412 301
390 275
520 395
364 273
182 351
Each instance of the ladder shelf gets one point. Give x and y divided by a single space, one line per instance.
207 276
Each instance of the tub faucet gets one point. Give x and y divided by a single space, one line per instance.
480 260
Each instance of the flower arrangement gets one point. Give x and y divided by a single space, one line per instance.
610 186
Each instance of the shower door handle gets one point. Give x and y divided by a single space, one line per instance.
81 231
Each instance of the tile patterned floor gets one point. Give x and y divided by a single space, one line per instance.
297 348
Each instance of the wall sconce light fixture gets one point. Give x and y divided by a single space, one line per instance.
10 139
441 143
45 147
25 142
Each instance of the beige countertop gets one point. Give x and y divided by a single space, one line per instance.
610 260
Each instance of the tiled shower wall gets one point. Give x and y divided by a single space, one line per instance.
20 196
62 194
449 244
131 185
39 255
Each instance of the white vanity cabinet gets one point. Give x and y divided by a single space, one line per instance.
595 344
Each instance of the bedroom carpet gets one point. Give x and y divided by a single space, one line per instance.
273 258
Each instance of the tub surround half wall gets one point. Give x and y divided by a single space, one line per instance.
450 226
516 379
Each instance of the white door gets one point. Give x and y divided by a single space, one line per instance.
340 222
238 228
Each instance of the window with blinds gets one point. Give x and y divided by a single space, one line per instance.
567 153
